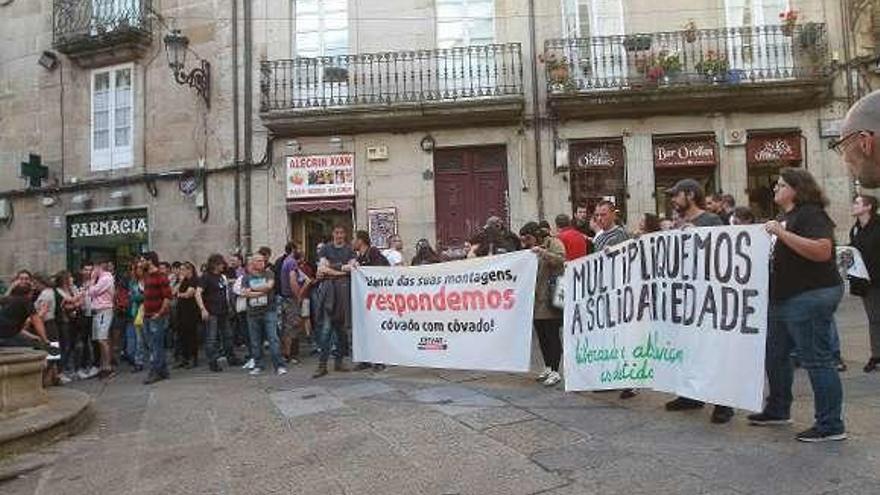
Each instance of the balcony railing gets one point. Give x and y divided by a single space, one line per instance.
81 25
730 56
418 76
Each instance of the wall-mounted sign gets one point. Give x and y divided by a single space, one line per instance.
320 176
597 154
382 225
774 149
108 224
699 151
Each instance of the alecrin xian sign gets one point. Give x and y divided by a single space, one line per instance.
109 225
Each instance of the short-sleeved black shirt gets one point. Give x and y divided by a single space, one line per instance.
792 274
214 289
13 315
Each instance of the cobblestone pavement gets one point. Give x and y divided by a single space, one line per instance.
415 431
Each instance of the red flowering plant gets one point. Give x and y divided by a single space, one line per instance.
788 19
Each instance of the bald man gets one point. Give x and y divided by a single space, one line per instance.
858 141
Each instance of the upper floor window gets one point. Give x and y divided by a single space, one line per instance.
465 22
112 118
321 28
587 18
754 12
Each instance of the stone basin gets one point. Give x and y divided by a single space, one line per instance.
21 379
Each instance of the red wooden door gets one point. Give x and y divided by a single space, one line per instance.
470 185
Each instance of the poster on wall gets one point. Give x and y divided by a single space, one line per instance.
320 176
683 312
382 225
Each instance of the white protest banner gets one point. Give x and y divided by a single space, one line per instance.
680 311
474 314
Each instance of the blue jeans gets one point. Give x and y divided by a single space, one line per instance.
135 347
217 329
154 331
325 340
262 326
805 323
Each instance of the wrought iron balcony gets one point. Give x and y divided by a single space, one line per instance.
98 32
392 89
759 68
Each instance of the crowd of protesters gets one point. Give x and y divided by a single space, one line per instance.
231 309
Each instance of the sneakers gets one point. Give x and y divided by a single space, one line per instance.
552 379
871 365
256 372
378 367
722 415
683 404
249 365
281 371
815 436
544 374
363 366
764 419
64 379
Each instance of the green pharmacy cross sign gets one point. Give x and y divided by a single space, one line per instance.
34 171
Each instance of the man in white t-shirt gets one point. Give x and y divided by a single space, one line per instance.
394 254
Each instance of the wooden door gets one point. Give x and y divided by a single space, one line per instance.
470 185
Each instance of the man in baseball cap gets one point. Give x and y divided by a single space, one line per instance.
858 140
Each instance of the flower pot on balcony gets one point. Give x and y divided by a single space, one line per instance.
559 74
735 76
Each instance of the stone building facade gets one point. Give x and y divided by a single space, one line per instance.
420 117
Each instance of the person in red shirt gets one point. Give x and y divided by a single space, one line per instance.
157 307
576 245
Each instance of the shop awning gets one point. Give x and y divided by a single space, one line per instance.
312 205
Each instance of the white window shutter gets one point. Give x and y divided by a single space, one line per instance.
122 118
101 121
112 118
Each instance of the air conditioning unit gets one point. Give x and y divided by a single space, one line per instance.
376 153
735 137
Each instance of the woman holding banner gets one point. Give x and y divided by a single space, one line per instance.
548 319
805 290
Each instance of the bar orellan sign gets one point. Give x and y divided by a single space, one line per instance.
109 224
320 176
698 151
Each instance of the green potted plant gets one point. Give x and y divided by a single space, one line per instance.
789 20
670 63
713 66
637 43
